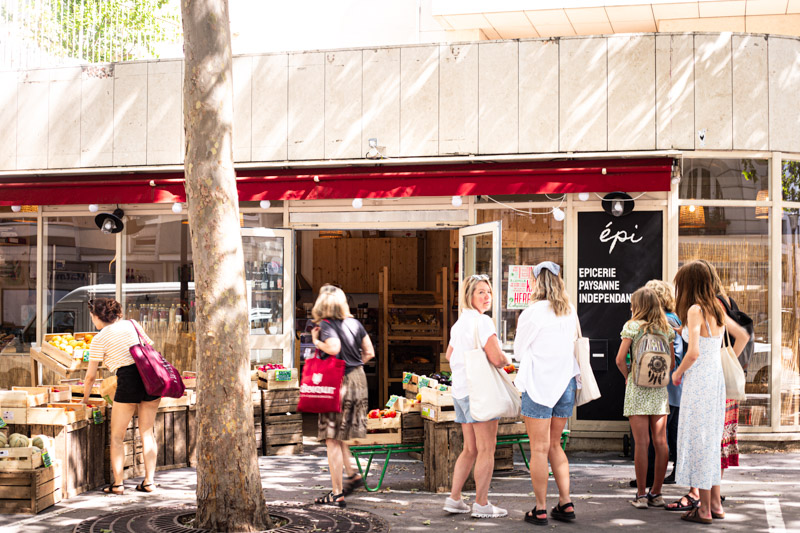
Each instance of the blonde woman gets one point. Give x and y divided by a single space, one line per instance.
480 438
544 345
340 335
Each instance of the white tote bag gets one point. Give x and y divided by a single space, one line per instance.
587 388
733 372
491 392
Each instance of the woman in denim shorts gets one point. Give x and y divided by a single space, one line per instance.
480 438
544 345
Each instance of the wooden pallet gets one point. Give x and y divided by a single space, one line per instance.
30 491
438 413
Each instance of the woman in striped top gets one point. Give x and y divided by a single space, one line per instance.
111 347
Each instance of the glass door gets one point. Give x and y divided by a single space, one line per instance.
269 268
480 252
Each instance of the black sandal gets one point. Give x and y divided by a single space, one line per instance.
678 505
351 483
332 499
559 512
111 489
532 517
141 487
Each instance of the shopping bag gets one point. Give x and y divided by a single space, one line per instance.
320 384
491 391
587 384
160 378
732 371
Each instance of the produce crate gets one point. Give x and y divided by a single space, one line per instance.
60 393
14 415
407 405
411 422
30 491
280 401
36 395
384 431
277 379
189 379
171 432
27 458
58 414
183 401
61 356
282 434
438 413
78 446
436 397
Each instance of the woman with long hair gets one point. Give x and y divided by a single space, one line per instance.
480 438
111 347
340 335
646 407
703 397
544 345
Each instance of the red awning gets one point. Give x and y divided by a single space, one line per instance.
553 177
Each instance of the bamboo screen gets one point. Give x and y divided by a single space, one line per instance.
790 328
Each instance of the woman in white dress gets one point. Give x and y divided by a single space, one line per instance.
702 410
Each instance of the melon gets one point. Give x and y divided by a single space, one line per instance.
40 441
16 440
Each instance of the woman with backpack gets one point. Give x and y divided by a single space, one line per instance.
703 397
648 336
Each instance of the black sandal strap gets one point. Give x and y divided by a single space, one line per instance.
561 508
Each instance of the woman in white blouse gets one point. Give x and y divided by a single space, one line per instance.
544 345
480 438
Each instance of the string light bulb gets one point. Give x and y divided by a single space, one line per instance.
94 208
558 214
617 208
583 196
357 203
456 201
177 207
16 208
264 204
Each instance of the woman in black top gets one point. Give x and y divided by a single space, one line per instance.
341 335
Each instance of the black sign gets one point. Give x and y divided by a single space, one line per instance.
616 256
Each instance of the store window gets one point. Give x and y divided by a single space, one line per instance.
530 236
262 220
17 298
725 179
736 241
80 264
159 284
790 298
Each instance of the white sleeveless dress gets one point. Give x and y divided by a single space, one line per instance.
702 417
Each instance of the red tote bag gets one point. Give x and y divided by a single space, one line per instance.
320 384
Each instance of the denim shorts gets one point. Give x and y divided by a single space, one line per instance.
463 415
562 408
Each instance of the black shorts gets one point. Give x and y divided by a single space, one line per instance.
130 388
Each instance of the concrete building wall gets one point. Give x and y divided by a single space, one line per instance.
578 94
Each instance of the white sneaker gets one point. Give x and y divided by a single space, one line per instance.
487 511
455 506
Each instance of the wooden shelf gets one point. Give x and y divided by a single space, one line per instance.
414 338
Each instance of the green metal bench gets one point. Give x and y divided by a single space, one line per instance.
388 450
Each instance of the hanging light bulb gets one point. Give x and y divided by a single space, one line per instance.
456 201
583 196
264 204
558 214
94 208
692 208
16 208
177 207
617 208
357 203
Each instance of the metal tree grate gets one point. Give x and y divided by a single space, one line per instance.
299 517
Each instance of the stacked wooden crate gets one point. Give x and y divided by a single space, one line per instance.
437 405
26 485
282 425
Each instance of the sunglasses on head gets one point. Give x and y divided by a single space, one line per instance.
479 277
90 305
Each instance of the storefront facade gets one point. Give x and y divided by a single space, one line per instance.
701 130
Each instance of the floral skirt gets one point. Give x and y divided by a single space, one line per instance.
730 441
351 421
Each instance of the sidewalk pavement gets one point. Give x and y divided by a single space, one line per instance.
762 495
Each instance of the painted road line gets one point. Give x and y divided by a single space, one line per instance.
774 515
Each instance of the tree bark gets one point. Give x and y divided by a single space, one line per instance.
229 494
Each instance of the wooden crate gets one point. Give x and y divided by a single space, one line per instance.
189 379
282 434
504 458
14 415
436 397
443 444
61 356
280 401
60 393
284 449
384 431
183 401
30 491
58 414
407 405
78 447
411 422
36 395
438 413
273 379
26 458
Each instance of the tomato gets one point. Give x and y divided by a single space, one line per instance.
374 414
